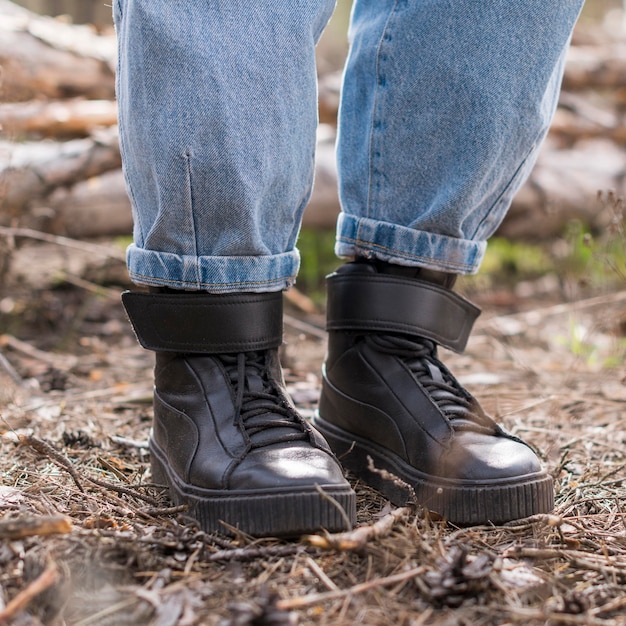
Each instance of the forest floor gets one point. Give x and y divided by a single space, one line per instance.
86 539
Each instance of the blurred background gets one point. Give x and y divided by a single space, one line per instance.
60 171
98 12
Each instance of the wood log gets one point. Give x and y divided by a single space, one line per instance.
595 67
578 117
570 128
41 56
575 119
329 90
323 207
564 185
77 188
60 118
96 207
34 170
587 68
99 206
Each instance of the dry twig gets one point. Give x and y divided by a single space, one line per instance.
62 461
43 447
359 538
251 554
319 598
44 581
21 527
92 248
59 361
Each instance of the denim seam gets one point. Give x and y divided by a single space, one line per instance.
187 157
121 125
407 255
375 107
491 211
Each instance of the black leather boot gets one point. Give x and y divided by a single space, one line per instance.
226 439
387 396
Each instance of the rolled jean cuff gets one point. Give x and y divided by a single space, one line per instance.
215 274
361 236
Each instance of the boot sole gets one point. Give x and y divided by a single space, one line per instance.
259 513
463 503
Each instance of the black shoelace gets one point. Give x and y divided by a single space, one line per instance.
420 356
265 416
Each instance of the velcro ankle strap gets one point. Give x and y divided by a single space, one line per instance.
206 323
384 303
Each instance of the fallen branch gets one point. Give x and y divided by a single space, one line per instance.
377 583
251 554
576 558
22 527
43 447
167 511
518 323
64 463
523 614
92 248
61 362
359 538
5 365
302 326
44 581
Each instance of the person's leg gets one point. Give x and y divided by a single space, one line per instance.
218 111
444 106
217 105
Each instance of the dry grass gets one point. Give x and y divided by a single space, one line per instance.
73 445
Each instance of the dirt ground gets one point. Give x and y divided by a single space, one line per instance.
86 539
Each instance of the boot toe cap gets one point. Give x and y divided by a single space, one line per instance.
296 466
478 457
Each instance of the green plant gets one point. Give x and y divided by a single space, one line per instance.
598 259
518 260
595 350
318 259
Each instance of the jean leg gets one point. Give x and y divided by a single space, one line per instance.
444 107
217 107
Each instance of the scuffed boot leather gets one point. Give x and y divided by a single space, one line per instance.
387 397
226 439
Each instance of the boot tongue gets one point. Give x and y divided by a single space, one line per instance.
444 390
265 415
254 382
435 373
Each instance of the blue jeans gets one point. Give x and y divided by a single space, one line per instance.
444 106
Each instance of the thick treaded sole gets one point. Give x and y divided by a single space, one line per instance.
463 503
270 513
